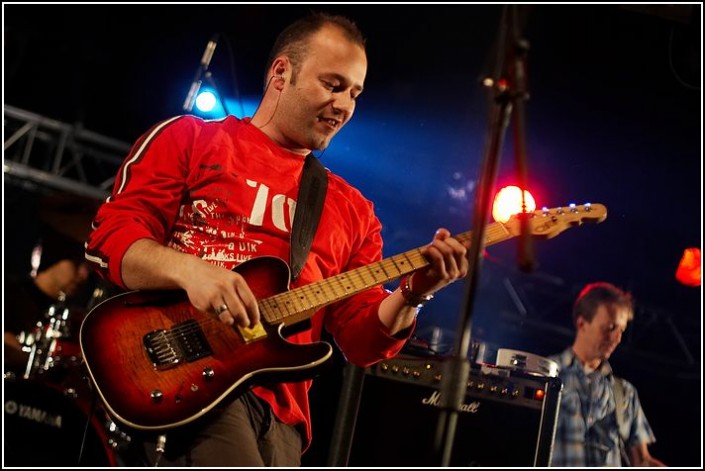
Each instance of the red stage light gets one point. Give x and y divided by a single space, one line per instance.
688 271
507 203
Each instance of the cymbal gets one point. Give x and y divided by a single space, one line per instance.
68 214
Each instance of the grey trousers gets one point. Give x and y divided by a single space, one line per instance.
242 433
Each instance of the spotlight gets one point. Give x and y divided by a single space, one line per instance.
206 101
507 203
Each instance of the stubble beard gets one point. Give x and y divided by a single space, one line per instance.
317 140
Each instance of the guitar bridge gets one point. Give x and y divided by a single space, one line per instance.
184 342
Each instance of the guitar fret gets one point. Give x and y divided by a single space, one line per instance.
313 293
408 260
296 303
393 262
368 277
317 293
268 310
278 303
302 298
416 259
327 296
381 267
464 237
500 231
370 272
339 281
360 280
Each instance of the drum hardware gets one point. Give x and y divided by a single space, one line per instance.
48 343
52 401
9 376
71 392
117 439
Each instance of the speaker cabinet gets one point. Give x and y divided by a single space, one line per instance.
508 417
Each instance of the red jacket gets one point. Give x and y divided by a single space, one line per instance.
222 190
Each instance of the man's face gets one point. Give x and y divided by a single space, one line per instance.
321 100
69 275
602 335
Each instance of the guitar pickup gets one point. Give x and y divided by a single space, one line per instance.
184 342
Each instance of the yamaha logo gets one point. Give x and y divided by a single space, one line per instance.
32 413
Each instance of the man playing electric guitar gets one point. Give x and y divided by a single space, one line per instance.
194 200
199 227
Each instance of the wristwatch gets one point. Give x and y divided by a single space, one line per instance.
413 299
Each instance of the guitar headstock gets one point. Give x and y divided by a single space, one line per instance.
549 223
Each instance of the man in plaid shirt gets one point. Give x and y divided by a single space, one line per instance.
588 431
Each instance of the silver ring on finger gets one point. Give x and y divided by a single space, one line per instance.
222 308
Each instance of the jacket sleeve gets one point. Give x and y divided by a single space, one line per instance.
354 322
146 195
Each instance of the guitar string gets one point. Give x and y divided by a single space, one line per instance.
357 278
359 281
496 233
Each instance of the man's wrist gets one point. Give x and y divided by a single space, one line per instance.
411 298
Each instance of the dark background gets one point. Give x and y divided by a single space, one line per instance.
614 117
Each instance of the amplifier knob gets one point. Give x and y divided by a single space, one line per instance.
494 389
405 371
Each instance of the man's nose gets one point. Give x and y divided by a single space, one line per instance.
616 336
345 104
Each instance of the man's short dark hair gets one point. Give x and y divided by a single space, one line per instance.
597 294
292 41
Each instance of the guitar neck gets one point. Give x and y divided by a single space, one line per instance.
301 303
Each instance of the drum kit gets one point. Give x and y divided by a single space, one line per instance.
52 416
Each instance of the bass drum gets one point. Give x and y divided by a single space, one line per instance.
44 426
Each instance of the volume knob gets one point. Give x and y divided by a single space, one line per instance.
156 395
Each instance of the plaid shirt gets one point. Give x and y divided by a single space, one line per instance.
587 433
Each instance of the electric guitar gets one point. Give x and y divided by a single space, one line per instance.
158 363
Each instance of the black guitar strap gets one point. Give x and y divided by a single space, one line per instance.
309 206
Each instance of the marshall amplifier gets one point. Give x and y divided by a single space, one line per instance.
508 417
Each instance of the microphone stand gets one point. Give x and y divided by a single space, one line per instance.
200 71
203 74
517 79
456 369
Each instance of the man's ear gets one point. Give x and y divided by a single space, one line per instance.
280 71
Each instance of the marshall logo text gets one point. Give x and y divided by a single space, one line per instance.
434 400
